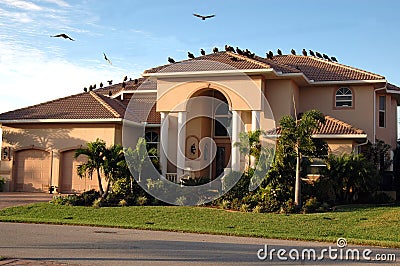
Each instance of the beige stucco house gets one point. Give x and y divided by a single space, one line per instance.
193 112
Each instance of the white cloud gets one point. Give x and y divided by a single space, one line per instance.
33 79
25 5
60 3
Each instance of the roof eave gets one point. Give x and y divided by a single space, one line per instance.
33 121
339 136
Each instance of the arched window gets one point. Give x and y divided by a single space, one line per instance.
344 97
152 141
222 122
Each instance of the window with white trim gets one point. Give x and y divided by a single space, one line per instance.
222 120
382 111
152 141
344 97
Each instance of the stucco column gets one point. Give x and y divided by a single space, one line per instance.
180 156
164 142
255 120
235 156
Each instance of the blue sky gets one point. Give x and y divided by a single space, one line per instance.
137 35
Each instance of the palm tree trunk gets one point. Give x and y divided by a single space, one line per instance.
99 179
107 190
297 188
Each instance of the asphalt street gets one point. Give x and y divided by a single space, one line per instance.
83 245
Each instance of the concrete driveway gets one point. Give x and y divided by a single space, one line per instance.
10 199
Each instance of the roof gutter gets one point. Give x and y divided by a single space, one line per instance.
33 121
327 136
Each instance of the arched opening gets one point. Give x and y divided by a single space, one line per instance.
208 117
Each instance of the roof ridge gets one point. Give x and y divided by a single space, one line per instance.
343 65
249 59
335 120
105 104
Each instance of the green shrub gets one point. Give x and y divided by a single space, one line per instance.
197 181
180 200
225 204
245 207
236 204
141 201
98 203
311 205
258 209
123 203
288 207
381 198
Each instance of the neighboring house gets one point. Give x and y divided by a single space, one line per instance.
250 93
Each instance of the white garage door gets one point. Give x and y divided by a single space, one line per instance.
70 182
32 170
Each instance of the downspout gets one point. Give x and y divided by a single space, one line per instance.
374 128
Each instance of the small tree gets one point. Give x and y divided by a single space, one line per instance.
95 152
296 138
113 166
249 145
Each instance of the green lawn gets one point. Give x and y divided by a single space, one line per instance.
359 225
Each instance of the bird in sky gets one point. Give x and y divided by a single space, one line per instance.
190 55
101 85
109 82
279 52
215 50
63 35
304 52
106 58
203 17
333 59
293 52
202 52
125 78
311 53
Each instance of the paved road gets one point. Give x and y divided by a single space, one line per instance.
84 245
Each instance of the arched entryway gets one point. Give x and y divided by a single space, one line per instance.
208 117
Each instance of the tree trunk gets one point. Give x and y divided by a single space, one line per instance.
107 190
297 188
100 185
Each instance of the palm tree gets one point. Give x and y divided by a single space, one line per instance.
95 152
249 145
296 135
112 165
136 158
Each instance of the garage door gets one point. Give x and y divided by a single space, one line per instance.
70 182
32 170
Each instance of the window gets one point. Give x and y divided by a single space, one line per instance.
382 111
152 141
222 122
344 98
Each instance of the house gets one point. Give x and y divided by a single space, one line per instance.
193 112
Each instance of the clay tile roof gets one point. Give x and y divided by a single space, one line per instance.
130 85
88 105
322 70
142 108
332 126
392 87
228 60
